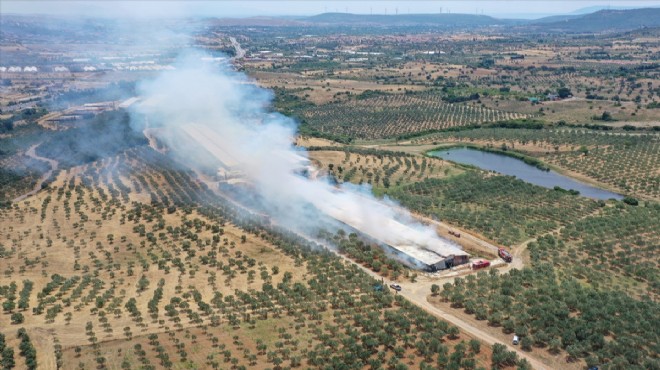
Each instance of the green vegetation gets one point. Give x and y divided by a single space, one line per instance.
170 275
27 350
624 163
561 314
19 173
379 168
6 354
499 207
615 249
371 256
108 134
620 160
395 115
311 300
25 116
523 123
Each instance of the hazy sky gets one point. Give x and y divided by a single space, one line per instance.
220 8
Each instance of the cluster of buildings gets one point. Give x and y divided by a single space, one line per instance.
84 111
19 69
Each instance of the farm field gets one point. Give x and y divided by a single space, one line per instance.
462 197
206 192
603 248
115 265
626 161
389 116
496 206
559 317
379 169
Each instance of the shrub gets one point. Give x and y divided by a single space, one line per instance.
17 318
631 201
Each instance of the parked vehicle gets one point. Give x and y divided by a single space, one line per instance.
396 287
504 254
516 340
454 233
480 264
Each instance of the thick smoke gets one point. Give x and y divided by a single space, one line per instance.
200 104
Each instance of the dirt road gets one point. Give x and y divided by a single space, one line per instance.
418 293
32 153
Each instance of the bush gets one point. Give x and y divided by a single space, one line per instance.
631 201
502 357
17 318
607 117
526 343
564 92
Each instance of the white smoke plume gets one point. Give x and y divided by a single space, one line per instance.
229 116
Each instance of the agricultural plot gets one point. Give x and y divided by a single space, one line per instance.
18 172
616 249
18 175
380 169
393 115
561 316
628 162
502 208
117 266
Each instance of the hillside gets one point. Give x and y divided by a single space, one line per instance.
447 20
605 21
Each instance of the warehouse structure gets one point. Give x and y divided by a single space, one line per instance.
432 258
415 248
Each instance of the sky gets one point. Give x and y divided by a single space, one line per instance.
229 8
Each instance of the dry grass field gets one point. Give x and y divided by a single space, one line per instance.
114 265
129 261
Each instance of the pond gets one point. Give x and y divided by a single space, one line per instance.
515 167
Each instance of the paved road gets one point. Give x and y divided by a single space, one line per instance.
240 53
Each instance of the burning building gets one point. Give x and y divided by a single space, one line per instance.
416 247
216 122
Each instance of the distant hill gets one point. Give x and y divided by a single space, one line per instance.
596 8
555 18
602 21
257 21
447 20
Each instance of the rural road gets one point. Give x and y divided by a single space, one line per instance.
418 292
32 153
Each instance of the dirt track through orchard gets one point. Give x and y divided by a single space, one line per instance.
32 153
